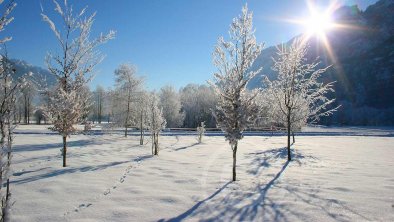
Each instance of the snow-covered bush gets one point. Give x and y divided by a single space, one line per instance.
201 132
87 126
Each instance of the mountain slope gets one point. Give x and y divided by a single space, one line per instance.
39 74
363 64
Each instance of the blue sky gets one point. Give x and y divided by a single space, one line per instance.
170 41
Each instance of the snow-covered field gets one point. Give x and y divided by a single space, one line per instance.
112 178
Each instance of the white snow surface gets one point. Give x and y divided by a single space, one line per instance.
112 178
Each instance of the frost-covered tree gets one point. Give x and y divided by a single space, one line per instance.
28 91
8 95
72 67
128 84
297 95
39 116
99 95
8 91
110 104
87 104
156 121
171 104
9 87
142 115
201 131
236 109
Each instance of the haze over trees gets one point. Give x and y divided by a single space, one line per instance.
171 105
198 101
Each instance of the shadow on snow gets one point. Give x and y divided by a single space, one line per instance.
39 147
255 204
67 170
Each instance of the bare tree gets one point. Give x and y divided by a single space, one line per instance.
236 109
297 95
72 68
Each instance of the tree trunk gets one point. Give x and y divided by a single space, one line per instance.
125 131
127 114
9 166
153 143
292 133
141 130
288 137
100 109
142 137
99 112
156 142
20 116
64 150
25 110
235 161
28 110
7 197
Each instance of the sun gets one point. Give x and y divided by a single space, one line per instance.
318 24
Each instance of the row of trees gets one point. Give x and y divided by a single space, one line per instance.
187 107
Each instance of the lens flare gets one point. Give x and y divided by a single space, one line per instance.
318 24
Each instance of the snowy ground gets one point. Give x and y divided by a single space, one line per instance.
112 178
